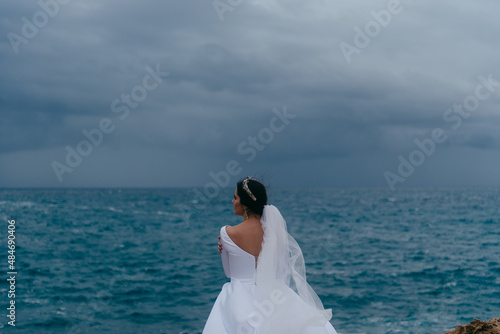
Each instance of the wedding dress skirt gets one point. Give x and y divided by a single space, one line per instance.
237 311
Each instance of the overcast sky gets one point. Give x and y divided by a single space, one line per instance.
307 93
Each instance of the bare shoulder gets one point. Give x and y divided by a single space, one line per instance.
247 237
233 232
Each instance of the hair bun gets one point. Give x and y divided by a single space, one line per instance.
252 194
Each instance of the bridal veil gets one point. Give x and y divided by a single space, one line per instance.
282 291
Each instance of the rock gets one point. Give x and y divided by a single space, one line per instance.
478 327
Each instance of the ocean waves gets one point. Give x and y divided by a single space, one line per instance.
130 261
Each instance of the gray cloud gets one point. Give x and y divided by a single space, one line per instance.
225 77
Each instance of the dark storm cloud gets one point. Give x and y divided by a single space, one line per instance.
225 77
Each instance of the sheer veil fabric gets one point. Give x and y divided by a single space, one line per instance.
281 281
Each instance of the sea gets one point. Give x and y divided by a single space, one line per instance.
413 260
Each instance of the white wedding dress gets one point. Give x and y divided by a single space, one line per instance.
239 310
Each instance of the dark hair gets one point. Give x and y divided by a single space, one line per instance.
258 190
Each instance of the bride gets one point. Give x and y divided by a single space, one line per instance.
268 292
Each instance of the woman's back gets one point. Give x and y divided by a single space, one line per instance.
248 236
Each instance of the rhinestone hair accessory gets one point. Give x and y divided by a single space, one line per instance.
247 190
